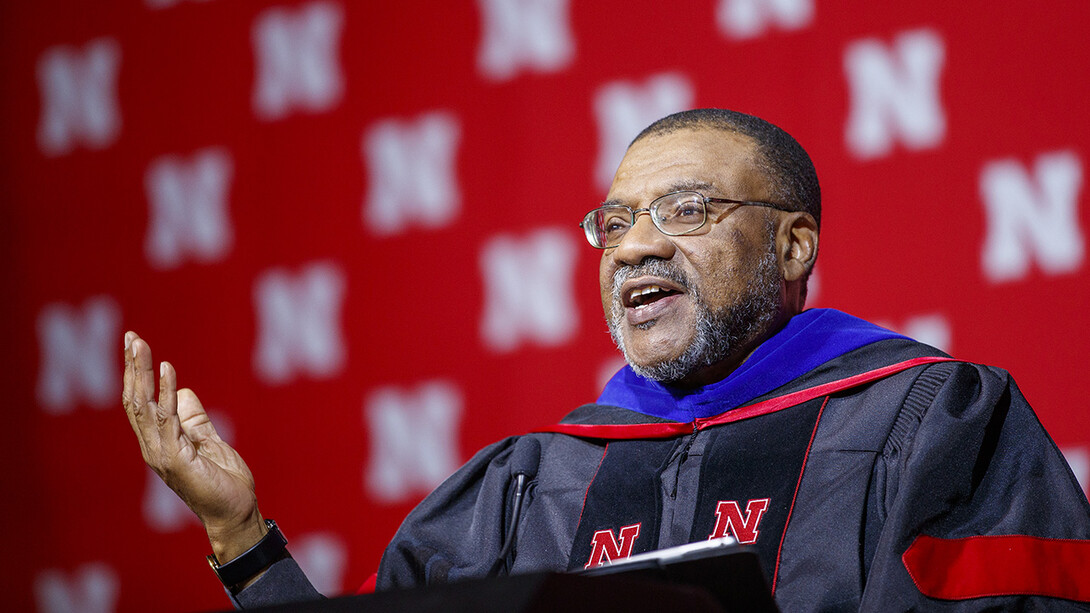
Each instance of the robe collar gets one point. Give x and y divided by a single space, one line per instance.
809 339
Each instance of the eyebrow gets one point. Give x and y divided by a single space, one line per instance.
681 185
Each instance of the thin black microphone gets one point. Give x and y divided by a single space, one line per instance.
525 460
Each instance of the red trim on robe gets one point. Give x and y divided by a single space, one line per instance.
980 566
795 496
672 428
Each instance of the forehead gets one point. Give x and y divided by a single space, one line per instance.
707 159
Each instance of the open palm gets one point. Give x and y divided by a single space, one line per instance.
180 444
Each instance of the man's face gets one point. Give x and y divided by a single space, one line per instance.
684 308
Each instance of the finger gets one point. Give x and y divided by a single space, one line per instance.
142 381
128 400
168 388
144 378
195 422
166 411
127 381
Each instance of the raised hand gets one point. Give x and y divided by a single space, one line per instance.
180 444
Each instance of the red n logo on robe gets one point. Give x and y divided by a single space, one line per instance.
729 521
604 546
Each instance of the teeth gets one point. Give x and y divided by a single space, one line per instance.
643 292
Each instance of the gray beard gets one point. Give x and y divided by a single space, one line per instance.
719 332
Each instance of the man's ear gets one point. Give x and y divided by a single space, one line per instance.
797 244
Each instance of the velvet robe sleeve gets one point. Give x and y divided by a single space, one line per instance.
977 508
457 531
284 582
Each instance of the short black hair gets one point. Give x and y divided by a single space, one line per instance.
789 168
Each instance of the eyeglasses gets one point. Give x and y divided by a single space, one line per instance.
674 214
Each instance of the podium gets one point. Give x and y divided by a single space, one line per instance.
722 580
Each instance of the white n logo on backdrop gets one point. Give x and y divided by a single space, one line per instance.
1032 216
742 19
414 439
411 173
895 94
299 319
163 510
535 34
91 589
296 53
79 355
528 290
79 96
624 108
188 208
322 556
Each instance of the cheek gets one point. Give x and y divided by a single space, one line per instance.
605 282
718 278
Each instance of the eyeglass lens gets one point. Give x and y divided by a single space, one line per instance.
673 214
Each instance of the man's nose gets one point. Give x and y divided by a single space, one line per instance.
643 239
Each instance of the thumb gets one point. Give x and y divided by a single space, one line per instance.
195 422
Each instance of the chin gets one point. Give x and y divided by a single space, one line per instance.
664 366
655 346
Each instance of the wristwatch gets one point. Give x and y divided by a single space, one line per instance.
269 549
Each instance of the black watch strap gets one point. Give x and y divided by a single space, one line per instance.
269 549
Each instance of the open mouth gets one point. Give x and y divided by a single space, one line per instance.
640 297
641 293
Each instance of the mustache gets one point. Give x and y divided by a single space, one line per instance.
651 267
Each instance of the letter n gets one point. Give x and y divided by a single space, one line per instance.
605 546
895 94
188 208
729 521
296 60
528 290
299 323
623 108
1032 216
79 96
78 356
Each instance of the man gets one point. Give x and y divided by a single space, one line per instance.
864 467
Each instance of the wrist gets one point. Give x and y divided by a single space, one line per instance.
245 569
232 540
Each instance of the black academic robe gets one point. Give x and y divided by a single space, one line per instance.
832 491
861 489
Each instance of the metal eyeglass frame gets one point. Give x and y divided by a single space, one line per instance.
589 227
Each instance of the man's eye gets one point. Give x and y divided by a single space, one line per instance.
614 225
683 210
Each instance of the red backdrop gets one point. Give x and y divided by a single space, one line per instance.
351 228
